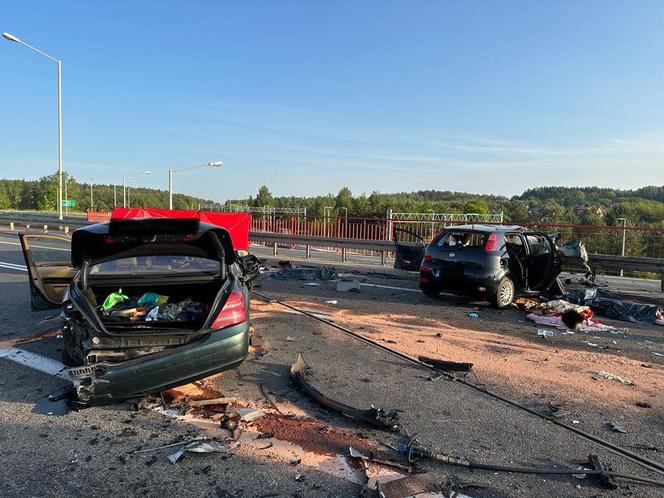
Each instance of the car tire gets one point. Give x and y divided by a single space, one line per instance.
430 291
73 335
504 293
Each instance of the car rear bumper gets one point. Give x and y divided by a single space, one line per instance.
217 351
473 284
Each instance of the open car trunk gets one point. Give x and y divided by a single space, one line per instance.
187 307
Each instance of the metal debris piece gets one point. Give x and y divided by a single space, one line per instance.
179 443
323 273
610 376
198 447
348 286
299 478
407 486
301 374
446 365
643 404
545 333
215 401
617 428
249 414
331 301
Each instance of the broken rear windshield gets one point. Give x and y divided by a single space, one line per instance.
457 239
156 264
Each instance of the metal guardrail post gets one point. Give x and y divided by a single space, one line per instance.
308 251
343 254
382 258
274 249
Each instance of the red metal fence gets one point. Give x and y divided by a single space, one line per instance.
639 241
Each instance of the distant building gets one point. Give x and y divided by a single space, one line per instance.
588 209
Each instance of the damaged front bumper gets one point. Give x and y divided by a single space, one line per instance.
110 382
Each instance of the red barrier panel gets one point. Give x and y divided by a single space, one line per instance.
237 224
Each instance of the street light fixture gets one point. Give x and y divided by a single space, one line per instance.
124 188
14 39
171 172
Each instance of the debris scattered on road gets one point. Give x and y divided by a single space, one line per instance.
292 339
207 402
297 273
198 447
331 301
299 478
643 404
610 376
473 314
617 428
312 284
249 414
301 373
613 306
446 365
545 333
348 286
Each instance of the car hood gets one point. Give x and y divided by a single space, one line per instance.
150 236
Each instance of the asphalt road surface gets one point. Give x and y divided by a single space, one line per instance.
49 451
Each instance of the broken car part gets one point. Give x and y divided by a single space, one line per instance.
446 365
198 447
298 273
594 471
302 373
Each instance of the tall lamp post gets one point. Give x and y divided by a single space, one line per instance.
171 172
12 38
624 233
124 187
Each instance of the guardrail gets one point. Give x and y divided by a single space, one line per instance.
603 262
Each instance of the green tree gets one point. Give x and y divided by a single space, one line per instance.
264 197
344 199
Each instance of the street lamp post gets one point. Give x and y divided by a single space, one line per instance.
171 172
624 233
12 38
125 202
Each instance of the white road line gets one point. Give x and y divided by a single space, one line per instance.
36 247
391 287
37 362
11 266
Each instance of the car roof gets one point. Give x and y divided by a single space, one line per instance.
489 228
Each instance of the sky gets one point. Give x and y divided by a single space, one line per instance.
307 97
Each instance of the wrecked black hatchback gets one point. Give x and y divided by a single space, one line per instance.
493 262
147 304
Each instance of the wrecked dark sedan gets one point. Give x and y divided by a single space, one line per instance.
147 304
492 262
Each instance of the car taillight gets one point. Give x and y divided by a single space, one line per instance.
491 243
232 313
427 258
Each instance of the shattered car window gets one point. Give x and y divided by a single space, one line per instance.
458 239
538 245
157 264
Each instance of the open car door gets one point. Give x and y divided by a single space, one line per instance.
48 259
544 264
408 255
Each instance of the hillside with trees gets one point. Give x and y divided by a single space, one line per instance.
579 205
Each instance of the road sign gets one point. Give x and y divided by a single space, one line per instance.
68 202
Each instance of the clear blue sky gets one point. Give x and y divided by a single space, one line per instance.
308 96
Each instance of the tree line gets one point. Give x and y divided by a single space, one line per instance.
41 195
574 205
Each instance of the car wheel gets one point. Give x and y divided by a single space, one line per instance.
504 293
430 291
72 338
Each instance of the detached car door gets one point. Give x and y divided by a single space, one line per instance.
48 259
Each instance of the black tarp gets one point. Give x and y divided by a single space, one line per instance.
613 306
